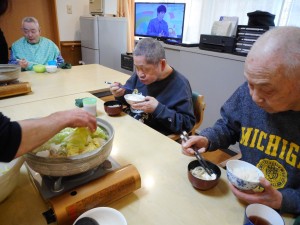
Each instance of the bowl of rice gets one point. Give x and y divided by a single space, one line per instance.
134 98
243 175
200 179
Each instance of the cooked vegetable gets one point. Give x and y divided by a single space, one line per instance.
70 142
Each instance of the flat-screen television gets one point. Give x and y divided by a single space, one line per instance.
163 21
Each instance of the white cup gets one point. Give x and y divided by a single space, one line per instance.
90 105
258 214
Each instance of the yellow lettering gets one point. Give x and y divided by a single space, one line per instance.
246 132
272 146
291 157
252 144
262 135
283 149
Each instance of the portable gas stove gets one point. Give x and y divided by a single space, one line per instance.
70 196
14 87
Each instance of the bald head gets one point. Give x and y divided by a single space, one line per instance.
278 46
272 69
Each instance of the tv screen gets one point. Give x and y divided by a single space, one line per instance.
159 20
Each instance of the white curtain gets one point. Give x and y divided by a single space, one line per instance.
200 14
293 16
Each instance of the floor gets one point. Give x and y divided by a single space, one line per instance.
218 157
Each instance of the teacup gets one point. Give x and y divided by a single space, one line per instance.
258 214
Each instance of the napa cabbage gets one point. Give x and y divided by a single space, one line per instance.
73 141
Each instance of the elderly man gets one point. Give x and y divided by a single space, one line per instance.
168 107
263 115
32 48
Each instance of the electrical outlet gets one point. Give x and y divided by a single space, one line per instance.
69 9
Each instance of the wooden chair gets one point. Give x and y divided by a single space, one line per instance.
199 107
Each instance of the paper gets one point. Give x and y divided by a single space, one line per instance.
234 23
221 28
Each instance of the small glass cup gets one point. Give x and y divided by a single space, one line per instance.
90 105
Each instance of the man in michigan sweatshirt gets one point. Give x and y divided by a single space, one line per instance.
263 115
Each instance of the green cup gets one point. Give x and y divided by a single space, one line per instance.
90 105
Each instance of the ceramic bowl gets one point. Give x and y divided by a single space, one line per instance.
203 184
134 98
51 68
243 175
9 173
101 216
39 68
113 108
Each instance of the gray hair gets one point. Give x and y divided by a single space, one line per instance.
151 49
31 19
282 45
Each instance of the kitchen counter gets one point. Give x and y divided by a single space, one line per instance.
166 195
85 78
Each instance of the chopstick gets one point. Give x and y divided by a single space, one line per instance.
27 61
201 160
120 85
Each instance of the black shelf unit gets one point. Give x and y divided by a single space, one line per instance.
246 37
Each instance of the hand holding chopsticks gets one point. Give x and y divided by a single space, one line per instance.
185 137
120 85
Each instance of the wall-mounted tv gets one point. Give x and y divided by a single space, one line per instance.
163 21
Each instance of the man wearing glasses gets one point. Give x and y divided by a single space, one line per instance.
33 49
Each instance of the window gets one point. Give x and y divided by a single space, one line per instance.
200 14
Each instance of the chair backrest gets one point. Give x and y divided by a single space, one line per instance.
199 107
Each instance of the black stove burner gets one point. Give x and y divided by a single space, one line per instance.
57 184
50 186
9 82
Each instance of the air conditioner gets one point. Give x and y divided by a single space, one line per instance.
103 7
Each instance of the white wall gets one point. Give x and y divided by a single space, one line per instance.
68 24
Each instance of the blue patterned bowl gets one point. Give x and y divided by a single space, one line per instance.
243 175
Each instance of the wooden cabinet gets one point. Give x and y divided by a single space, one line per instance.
71 52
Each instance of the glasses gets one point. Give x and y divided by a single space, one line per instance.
28 31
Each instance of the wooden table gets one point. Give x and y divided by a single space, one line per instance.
78 79
166 196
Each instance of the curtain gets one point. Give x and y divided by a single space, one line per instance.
293 17
125 8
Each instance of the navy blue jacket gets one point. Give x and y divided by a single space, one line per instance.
174 112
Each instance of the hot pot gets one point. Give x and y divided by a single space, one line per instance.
9 72
68 166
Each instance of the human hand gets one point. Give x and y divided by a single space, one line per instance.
76 118
116 89
23 63
147 106
269 196
198 142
